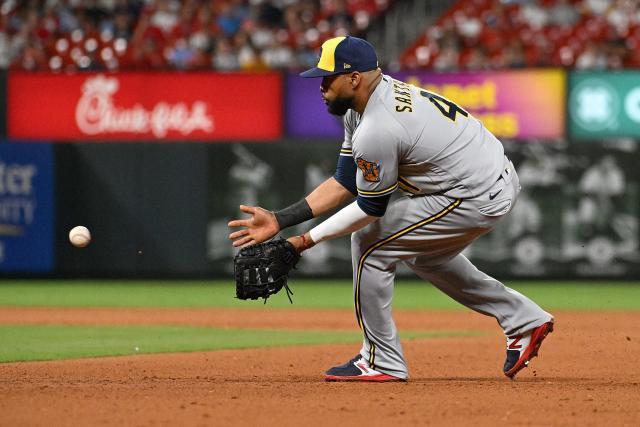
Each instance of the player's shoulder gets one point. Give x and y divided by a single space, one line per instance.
373 137
384 117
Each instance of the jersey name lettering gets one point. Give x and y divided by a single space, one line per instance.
402 96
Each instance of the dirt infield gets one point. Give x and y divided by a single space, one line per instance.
587 375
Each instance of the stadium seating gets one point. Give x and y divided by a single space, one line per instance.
170 34
493 34
251 35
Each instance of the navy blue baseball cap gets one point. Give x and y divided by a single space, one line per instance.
344 55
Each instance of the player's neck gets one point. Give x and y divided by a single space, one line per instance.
361 100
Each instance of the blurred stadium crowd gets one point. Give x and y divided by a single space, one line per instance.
161 34
493 34
252 35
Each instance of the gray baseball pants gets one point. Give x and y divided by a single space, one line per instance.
428 233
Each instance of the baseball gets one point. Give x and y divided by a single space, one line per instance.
80 236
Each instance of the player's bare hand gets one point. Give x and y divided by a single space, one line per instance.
259 227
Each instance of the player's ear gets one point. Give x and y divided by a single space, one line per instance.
354 79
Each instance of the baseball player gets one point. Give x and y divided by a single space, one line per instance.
428 179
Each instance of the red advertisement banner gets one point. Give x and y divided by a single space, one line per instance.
145 106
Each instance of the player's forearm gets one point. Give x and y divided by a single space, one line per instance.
328 196
346 221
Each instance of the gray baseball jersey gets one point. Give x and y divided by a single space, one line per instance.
421 142
458 184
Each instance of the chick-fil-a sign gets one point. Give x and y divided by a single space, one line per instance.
97 114
145 106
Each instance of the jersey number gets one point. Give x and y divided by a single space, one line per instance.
446 107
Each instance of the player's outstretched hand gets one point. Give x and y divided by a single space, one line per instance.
261 226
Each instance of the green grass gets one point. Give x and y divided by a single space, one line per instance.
308 294
52 342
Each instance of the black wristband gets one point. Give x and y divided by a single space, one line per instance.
293 215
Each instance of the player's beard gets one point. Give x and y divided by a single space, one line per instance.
340 106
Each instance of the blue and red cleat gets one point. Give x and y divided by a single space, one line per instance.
358 369
522 348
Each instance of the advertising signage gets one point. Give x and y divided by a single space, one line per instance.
604 105
511 104
26 208
145 106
